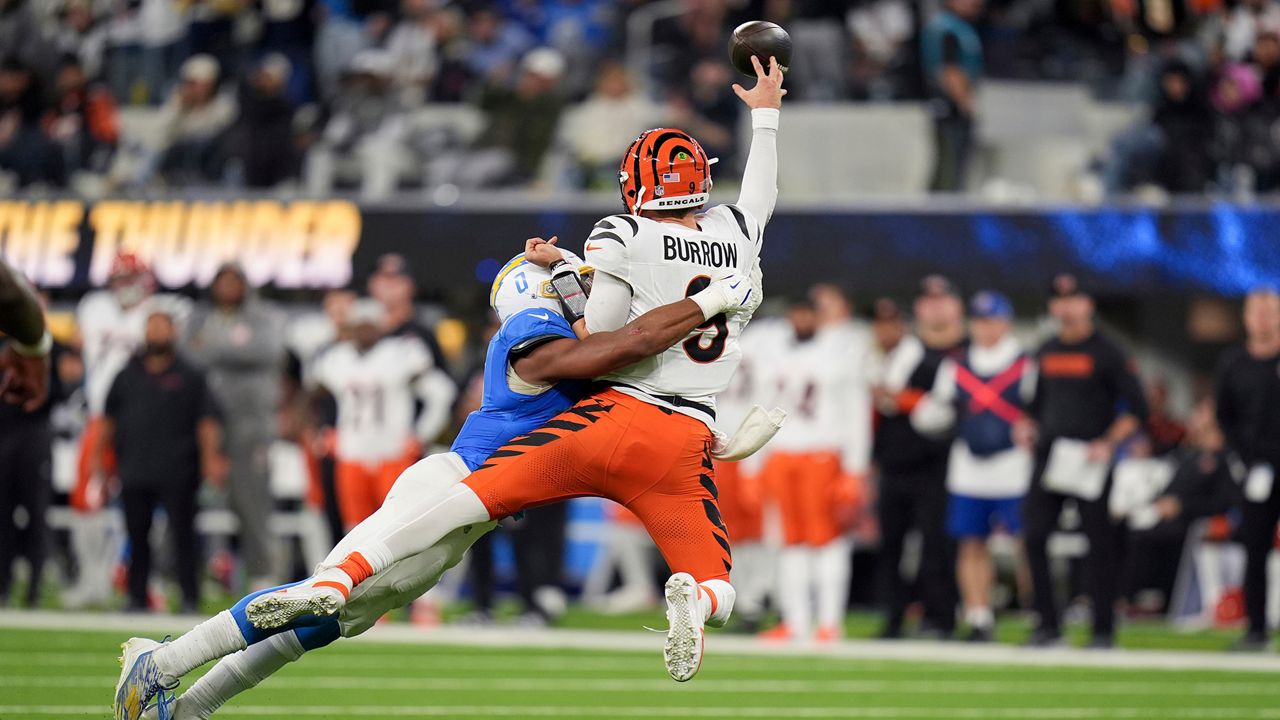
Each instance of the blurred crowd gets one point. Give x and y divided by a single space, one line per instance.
937 462
324 95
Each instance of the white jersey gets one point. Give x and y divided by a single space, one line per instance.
752 384
821 384
110 335
375 395
664 262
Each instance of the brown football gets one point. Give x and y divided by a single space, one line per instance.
762 39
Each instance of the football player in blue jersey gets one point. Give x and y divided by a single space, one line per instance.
535 368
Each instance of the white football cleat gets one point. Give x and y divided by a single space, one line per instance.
276 609
683 651
141 682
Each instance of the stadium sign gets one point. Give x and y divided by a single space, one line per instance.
455 251
64 243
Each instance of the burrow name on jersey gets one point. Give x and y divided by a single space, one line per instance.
702 252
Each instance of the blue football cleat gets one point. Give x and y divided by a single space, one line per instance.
141 682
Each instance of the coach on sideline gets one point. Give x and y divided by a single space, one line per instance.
163 422
1087 401
1248 400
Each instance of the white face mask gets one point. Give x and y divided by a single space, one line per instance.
130 294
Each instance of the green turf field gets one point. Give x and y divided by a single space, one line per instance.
69 674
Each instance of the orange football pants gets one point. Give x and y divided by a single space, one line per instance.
653 461
361 487
740 502
806 485
87 495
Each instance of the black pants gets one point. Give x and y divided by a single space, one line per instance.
178 498
25 456
537 542
1040 511
917 499
953 138
1257 534
1152 557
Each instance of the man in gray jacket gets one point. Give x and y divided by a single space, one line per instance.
241 343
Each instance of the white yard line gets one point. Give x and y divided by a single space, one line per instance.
725 645
659 711
906 688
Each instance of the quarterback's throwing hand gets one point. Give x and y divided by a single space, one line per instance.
768 91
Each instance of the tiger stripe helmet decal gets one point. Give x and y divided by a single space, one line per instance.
665 169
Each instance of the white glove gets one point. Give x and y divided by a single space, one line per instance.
757 428
732 294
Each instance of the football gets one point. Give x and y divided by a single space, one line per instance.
762 39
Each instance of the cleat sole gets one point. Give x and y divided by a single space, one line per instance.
269 612
683 649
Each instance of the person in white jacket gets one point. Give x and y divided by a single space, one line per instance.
981 396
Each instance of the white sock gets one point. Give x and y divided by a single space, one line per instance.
795 588
716 598
216 637
832 572
752 577
979 617
236 673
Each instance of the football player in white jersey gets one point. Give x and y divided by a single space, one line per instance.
375 380
644 439
816 464
111 324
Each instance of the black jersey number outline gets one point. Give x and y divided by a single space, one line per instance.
700 348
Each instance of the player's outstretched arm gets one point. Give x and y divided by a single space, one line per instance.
24 364
760 177
603 352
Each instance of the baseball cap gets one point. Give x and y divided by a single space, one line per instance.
990 304
937 285
1065 285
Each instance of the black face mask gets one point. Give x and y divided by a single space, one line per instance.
158 349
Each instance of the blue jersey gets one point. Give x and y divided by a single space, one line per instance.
504 413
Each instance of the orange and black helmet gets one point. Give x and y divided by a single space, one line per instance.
665 169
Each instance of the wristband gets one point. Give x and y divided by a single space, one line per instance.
765 118
40 349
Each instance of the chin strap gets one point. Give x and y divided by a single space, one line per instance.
635 209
